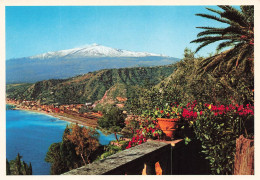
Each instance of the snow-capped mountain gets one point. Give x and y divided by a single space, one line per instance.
68 63
93 50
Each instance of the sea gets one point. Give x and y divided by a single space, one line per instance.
30 134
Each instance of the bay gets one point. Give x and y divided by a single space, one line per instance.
31 134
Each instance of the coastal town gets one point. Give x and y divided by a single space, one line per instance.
77 113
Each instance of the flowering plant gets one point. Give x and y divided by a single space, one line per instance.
217 127
168 111
148 128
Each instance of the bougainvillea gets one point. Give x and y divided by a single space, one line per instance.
148 129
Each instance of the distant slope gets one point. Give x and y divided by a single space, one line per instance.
91 86
68 63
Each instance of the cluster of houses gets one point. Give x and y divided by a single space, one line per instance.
68 109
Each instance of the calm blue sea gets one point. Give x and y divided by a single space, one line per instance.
31 134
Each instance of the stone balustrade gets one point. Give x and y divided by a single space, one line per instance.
131 161
174 157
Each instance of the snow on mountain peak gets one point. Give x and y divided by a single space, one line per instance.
93 50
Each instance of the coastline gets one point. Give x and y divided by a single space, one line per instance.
68 119
64 118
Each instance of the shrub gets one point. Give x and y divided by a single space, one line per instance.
217 127
148 129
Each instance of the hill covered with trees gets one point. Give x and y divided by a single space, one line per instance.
91 86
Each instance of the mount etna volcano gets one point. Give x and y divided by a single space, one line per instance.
68 63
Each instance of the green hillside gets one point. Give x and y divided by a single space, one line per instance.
91 86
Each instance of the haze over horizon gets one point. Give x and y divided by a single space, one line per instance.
163 30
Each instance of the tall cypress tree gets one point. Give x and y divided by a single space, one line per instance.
30 169
8 171
18 167
18 164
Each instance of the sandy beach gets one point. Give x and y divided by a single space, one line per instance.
80 120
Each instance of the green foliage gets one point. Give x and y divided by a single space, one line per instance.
218 134
237 37
187 85
84 139
170 111
8 171
84 109
15 91
112 149
63 156
109 150
89 87
18 167
113 119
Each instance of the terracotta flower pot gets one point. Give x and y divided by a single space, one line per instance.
168 126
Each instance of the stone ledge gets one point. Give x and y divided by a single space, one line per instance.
124 162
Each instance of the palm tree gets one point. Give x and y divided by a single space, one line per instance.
237 38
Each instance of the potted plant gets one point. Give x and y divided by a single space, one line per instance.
168 118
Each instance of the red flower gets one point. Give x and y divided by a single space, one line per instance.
161 111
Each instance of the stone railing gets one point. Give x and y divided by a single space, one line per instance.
136 160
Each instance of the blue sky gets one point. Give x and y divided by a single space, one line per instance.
167 30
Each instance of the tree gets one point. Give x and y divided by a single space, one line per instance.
18 167
85 141
62 157
238 36
8 171
53 156
78 145
30 168
113 119
18 164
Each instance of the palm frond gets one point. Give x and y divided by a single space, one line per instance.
235 16
214 18
204 44
214 63
203 27
213 38
225 44
214 10
237 35
210 32
225 8
231 63
233 30
248 11
241 56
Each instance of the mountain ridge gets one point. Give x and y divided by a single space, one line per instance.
93 50
89 87
72 62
